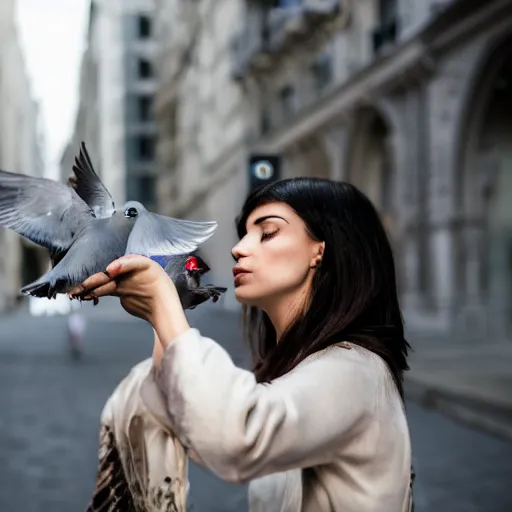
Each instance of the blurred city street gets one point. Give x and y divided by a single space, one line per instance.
182 105
51 405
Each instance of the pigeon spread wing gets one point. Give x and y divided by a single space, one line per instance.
46 212
89 187
154 235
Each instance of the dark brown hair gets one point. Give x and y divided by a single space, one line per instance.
354 293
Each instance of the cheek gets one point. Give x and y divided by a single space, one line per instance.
285 266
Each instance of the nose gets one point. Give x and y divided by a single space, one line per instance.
239 250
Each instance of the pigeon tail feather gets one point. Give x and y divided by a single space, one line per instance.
37 289
45 286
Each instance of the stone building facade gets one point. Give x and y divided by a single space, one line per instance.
409 100
201 112
20 151
117 87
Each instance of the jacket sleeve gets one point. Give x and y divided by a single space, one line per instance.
240 429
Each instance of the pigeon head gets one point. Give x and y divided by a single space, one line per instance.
132 209
189 264
194 265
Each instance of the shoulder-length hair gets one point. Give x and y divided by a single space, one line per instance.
354 293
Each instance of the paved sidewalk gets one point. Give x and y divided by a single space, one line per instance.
471 383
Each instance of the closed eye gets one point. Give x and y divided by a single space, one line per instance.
268 236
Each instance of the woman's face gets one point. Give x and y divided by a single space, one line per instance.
275 257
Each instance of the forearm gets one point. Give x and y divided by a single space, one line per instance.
158 351
168 319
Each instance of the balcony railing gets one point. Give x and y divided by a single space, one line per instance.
272 30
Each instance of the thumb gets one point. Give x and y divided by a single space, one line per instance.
114 268
127 263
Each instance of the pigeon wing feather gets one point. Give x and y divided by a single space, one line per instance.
154 235
89 187
46 212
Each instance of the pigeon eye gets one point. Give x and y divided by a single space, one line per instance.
131 212
191 264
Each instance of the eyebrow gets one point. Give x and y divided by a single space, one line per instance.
266 217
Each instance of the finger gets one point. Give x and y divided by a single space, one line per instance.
91 282
109 288
74 292
94 281
128 263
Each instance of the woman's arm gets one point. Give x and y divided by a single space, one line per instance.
167 314
236 427
240 429
158 351
170 318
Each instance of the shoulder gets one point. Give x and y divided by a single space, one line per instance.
350 367
341 366
348 357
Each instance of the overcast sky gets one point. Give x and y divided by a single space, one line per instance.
53 37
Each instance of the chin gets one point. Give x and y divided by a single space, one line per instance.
243 295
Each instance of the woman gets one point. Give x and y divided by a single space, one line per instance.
319 425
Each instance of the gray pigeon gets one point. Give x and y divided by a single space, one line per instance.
81 227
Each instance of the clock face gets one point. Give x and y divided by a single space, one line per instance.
263 170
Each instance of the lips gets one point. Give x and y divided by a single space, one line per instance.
238 271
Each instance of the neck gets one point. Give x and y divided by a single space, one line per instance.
283 311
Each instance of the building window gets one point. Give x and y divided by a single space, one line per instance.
145 146
322 71
146 189
265 121
144 108
386 33
388 11
287 98
145 69
144 26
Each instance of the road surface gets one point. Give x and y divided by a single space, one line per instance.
51 404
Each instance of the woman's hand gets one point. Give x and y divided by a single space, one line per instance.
146 291
141 284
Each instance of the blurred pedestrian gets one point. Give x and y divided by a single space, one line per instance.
319 424
76 330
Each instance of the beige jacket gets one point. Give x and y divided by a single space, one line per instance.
337 415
